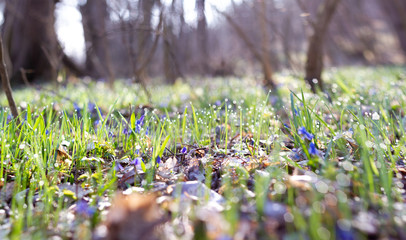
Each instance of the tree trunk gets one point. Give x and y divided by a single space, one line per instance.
98 61
202 38
182 40
30 38
144 35
314 60
171 64
265 49
169 68
395 12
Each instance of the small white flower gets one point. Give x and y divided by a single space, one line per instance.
375 116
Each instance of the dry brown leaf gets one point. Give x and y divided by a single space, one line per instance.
62 155
134 217
301 182
194 170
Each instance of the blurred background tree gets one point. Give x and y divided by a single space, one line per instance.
95 16
172 39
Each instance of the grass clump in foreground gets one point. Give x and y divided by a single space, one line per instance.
208 161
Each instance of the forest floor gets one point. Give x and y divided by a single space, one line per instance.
207 159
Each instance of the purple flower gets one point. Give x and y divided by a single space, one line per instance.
312 149
83 208
111 134
136 161
141 121
76 106
77 109
158 160
295 155
126 131
139 124
286 126
296 112
304 133
91 106
184 150
344 234
9 118
147 132
46 132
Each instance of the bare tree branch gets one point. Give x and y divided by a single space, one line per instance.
240 32
6 82
303 7
261 56
151 53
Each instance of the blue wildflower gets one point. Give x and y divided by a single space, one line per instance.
141 120
344 234
91 106
286 126
137 128
136 161
184 150
312 149
304 133
77 109
295 154
158 160
111 134
46 132
126 131
76 106
99 110
296 112
9 118
147 131
139 124
83 208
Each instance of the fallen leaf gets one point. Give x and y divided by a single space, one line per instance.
134 216
194 171
63 156
196 190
